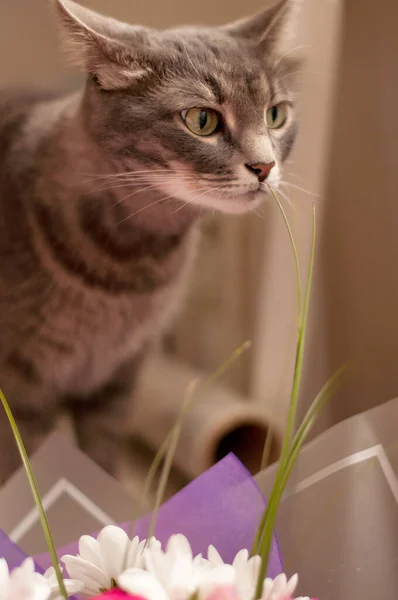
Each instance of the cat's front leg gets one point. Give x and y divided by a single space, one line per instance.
34 406
101 419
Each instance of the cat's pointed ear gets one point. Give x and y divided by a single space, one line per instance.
273 30
106 48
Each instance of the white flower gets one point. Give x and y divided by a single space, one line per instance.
182 575
218 582
247 571
22 583
145 570
72 586
279 588
101 561
138 582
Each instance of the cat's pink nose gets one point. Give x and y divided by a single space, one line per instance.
262 170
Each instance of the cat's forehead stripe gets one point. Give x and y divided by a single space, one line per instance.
215 88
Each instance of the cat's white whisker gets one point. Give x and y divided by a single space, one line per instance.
299 72
294 175
297 187
151 170
259 214
145 208
145 189
181 207
295 49
285 197
201 193
133 183
158 180
133 174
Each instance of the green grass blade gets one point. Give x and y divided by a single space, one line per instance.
301 341
267 448
323 396
321 399
257 549
263 540
327 391
295 252
36 495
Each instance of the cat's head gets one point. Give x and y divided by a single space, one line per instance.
207 113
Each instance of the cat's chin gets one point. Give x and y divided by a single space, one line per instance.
235 205
232 204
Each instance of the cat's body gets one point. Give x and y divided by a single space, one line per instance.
98 213
82 295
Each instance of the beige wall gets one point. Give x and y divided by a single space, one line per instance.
355 305
276 314
29 48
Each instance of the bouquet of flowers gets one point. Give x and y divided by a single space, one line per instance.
214 540
222 505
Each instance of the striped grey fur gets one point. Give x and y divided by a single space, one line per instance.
100 193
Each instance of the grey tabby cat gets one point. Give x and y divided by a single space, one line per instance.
100 192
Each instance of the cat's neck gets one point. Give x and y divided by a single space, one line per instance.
108 235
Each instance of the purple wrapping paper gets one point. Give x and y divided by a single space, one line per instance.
223 507
13 553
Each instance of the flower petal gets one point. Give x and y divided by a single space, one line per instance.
72 586
179 544
134 553
222 576
225 592
114 545
291 585
154 544
141 583
181 582
156 563
25 585
214 556
267 588
4 579
241 559
94 579
28 566
280 583
40 591
89 550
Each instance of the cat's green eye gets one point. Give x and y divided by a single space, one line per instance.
277 116
201 121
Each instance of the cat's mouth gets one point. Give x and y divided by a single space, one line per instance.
246 200
227 198
238 202
265 187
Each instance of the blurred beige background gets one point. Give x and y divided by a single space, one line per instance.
346 156
356 292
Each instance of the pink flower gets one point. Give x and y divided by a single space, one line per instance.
223 592
116 594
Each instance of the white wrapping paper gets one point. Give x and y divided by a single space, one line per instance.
338 522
